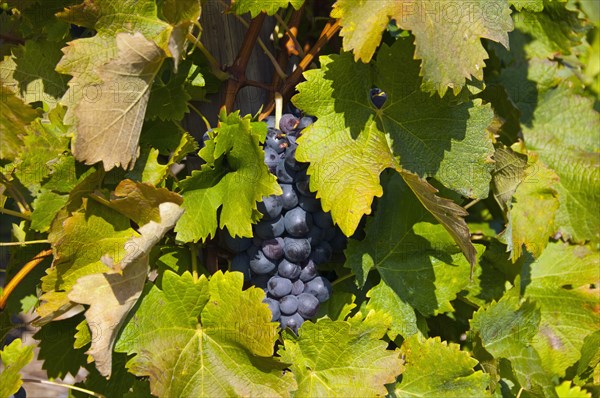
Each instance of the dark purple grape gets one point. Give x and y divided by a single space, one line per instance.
309 203
305 122
273 248
272 159
289 197
276 142
297 287
270 120
309 271
319 287
302 186
237 244
288 305
284 173
297 222
291 321
241 263
288 123
329 234
274 307
296 250
308 305
269 229
378 97
260 281
261 265
290 159
288 270
315 235
338 242
270 206
323 220
321 253
279 287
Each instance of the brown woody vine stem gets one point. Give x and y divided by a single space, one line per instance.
14 282
238 69
328 32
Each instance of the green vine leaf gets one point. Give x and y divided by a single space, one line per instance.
521 189
233 180
16 115
30 73
202 333
506 329
255 7
415 256
352 141
558 282
14 358
435 368
382 298
447 36
340 359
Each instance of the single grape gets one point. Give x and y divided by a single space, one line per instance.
261 265
237 244
309 271
288 123
302 186
270 206
274 307
272 159
289 304
319 287
269 229
308 305
288 270
273 248
309 203
279 287
378 97
323 219
297 222
291 321
270 120
241 263
296 250
305 122
276 142
321 253
297 287
289 197
285 173
290 159
315 235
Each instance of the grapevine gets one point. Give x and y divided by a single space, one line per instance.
292 198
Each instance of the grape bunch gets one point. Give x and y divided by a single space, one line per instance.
293 237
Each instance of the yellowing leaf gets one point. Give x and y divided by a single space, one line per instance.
192 340
352 141
15 116
437 369
108 130
340 359
448 34
14 358
79 243
112 294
